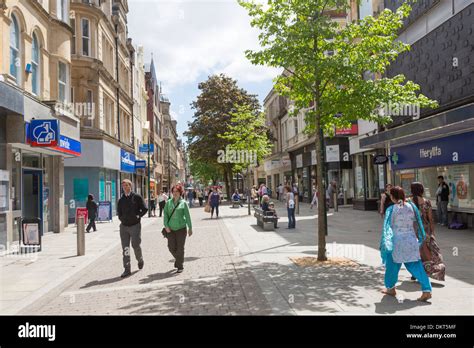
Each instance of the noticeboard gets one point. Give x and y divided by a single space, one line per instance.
31 233
105 211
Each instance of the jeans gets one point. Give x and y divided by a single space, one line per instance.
442 212
190 202
127 234
415 268
162 207
217 210
176 240
291 218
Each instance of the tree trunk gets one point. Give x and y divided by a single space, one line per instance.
226 180
321 182
231 181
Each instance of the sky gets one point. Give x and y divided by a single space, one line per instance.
192 39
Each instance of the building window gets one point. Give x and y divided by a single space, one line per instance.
88 108
35 66
86 41
15 50
62 82
62 10
296 127
73 43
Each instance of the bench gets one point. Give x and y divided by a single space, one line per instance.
236 204
265 219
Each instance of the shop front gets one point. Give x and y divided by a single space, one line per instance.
452 157
33 146
96 172
338 169
275 170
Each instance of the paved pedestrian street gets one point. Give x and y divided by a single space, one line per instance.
232 267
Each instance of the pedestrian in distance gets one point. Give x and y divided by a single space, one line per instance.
214 201
162 198
199 197
130 209
430 251
314 201
400 243
290 206
280 193
442 200
385 200
91 206
190 197
153 204
178 224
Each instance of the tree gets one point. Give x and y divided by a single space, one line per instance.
247 137
205 171
220 96
326 67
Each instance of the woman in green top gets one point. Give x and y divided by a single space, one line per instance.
176 219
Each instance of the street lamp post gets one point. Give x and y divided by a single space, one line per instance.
149 175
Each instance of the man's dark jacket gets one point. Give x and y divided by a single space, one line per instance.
130 209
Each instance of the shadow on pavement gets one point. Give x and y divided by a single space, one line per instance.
157 276
105 281
390 305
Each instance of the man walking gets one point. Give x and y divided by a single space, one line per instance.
130 209
442 199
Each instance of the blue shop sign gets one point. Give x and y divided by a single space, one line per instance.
127 161
140 164
65 145
455 149
44 133
144 148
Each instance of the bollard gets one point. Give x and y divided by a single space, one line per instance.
335 201
345 197
66 216
81 237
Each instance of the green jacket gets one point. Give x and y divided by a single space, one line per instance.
181 217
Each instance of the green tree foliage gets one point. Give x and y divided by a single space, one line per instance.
326 67
219 97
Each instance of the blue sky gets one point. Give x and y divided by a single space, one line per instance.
193 39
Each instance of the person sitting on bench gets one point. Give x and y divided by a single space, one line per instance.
268 206
236 198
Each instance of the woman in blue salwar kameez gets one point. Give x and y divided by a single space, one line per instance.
401 244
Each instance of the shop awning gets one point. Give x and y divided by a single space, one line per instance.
459 120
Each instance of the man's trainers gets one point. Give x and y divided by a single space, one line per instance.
180 270
126 273
140 264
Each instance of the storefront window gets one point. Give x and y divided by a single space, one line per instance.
359 176
16 180
460 179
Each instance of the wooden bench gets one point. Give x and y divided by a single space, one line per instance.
265 219
236 204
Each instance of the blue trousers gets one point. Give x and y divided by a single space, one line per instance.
415 268
291 218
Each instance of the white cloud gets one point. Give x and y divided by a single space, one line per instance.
189 39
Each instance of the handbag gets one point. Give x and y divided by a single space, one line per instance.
207 208
163 231
425 252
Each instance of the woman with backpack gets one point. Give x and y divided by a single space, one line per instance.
290 206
